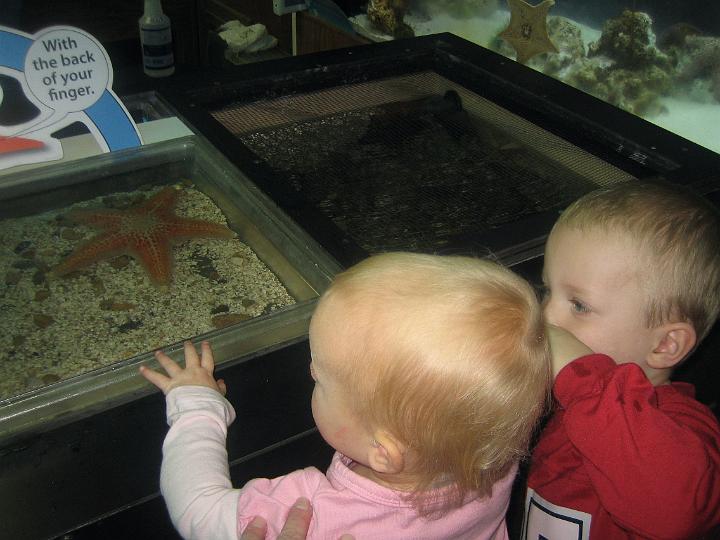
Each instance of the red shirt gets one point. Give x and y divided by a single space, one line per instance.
623 459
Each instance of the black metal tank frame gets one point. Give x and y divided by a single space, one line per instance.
616 136
619 137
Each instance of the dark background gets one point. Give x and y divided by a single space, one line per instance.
111 21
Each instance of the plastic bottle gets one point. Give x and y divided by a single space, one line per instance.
156 41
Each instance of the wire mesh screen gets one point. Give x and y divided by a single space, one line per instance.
412 162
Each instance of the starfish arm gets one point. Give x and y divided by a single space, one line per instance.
100 247
195 228
163 201
153 252
146 232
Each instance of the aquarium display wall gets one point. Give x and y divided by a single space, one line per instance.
658 60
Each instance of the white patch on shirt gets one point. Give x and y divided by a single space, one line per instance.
547 521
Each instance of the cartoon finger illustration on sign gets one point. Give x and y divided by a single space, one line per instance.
49 80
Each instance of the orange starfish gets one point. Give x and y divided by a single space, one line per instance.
145 231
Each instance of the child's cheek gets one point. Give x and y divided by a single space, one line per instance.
313 406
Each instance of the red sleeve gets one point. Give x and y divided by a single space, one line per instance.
652 454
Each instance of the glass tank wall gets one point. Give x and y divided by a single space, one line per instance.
104 260
657 59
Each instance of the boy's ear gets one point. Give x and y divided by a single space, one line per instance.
386 454
673 343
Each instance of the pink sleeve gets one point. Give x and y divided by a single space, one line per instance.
655 469
195 479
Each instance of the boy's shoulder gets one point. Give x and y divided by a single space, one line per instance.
679 398
597 378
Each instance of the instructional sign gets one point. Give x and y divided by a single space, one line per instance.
66 74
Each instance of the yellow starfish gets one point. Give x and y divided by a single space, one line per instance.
146 232
527 31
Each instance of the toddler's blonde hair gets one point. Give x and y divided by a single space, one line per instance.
677 234
448 354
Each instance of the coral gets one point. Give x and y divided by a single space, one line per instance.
567 35
387 16
624 67
568 39
634 90
629 41
638 91
675 36
700 61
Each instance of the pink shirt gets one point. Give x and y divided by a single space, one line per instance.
195 482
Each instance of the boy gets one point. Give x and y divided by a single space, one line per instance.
633 272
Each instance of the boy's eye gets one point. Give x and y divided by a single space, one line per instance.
579 307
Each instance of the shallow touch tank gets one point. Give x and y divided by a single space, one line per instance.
77 298
84 301
658 60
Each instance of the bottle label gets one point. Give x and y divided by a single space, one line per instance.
157 47
156 36
158 62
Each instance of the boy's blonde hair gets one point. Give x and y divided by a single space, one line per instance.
448 354
677 234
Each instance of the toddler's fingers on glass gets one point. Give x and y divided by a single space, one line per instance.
158 379
207 361
168 363
191 355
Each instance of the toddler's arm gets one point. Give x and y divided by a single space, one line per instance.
653 458
564 347
195 479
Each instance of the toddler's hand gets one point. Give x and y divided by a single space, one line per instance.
198 371
564 347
